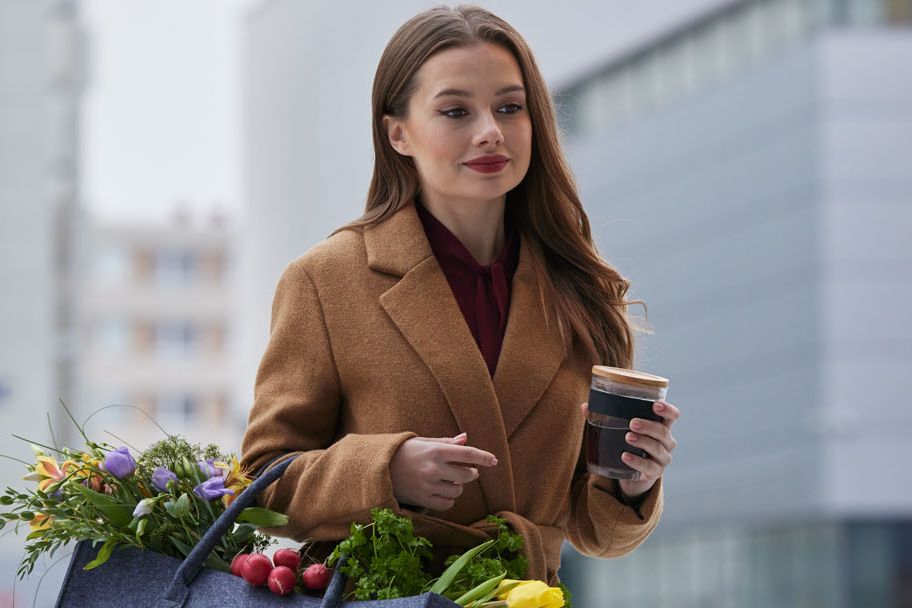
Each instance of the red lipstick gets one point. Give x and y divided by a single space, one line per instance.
488 164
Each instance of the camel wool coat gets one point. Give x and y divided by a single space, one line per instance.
368 348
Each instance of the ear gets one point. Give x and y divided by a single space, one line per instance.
395 132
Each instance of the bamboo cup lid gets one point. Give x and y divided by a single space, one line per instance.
629 376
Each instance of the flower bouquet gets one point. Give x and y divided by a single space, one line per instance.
163 499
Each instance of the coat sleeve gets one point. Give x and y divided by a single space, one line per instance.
297 397
601 523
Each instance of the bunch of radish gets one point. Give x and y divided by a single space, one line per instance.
281 573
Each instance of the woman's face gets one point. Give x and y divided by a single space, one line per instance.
469 104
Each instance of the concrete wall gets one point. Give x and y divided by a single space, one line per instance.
865 139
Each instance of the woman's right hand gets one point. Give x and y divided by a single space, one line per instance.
429 472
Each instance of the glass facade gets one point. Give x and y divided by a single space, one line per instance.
735 38
849 564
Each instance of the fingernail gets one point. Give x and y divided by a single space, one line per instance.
495 459
631 437
463 434
659 406
635 424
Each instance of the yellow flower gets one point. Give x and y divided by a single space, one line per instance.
531 594
85 469
46 473
40 522
236 478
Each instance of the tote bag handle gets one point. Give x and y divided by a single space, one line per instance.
176 593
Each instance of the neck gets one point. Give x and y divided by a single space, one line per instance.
479 225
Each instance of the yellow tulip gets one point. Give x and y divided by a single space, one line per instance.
531 594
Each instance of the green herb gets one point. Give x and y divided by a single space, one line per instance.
385 558
568 603
171 450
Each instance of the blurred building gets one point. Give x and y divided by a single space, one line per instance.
749 172
42 77
156 328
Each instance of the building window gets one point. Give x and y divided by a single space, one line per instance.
175 267
143 265
176 410
212 266
112 265
214 339
112 336
6 392
176 339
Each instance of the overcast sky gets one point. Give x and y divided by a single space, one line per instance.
162 106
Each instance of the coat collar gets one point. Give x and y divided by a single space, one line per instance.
423 307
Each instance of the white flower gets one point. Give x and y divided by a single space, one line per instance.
143 507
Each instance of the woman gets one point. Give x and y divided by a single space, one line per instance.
432 356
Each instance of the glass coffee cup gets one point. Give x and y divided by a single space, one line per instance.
616 396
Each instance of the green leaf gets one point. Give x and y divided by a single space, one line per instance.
443 583
103 554
117 513
141 527
181 546
263 518
179 508
483 590
216 563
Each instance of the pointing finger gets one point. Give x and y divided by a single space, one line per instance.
469 455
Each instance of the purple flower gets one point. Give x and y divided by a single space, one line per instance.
161 477
208 468
119 463
212 488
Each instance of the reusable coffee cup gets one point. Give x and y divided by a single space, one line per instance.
615 396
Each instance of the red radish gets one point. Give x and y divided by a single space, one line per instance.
238 562
281 580
316 577
256 569
287 557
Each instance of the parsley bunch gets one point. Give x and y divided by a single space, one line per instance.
502 556
384 557
386 560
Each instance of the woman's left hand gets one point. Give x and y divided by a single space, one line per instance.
656 440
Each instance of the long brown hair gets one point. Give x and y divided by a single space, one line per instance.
581 291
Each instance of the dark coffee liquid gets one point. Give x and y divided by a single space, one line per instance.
604 446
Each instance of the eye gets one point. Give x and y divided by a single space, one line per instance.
513 108
454 113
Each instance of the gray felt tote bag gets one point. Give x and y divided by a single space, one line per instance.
134 578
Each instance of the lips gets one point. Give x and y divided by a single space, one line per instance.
488 164
492 159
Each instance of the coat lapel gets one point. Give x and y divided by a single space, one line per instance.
423 307
532 350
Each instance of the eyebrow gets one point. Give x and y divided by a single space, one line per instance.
462 93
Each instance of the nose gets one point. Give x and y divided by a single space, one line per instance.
488 132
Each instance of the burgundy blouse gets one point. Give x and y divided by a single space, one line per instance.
482 292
